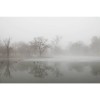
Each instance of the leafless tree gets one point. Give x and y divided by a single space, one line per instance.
1 48
22 49
7 45
56 40
40 45
78 48
55 45
95 45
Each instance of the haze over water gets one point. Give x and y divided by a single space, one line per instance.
50 49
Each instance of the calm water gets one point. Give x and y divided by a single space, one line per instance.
50 72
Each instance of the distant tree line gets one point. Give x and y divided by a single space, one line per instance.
79 48
42 47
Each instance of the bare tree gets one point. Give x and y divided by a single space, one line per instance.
22 49
56 41
7 44
40 45
95 45
78 48
1 49
55 45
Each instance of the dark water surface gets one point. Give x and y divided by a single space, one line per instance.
50 72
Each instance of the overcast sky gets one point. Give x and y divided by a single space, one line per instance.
70 28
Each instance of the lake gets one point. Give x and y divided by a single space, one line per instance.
50 71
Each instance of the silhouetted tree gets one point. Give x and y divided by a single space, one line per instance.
56 45
78 48
39 45
22 49
7 44
95 45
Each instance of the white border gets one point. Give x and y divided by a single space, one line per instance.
49 8
49 92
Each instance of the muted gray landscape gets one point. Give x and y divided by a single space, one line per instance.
49 50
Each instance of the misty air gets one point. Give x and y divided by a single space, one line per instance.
49 50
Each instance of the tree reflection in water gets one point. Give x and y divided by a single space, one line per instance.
79 67
95 69
5 68
7 72
57 71
42 69
37 69
1 67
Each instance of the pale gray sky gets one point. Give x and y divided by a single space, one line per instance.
70 28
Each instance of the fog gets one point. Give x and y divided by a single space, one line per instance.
69 28
49 49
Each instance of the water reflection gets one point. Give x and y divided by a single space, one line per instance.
42 69
79 67
57 71
62 71
39 69
5 68
95 69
